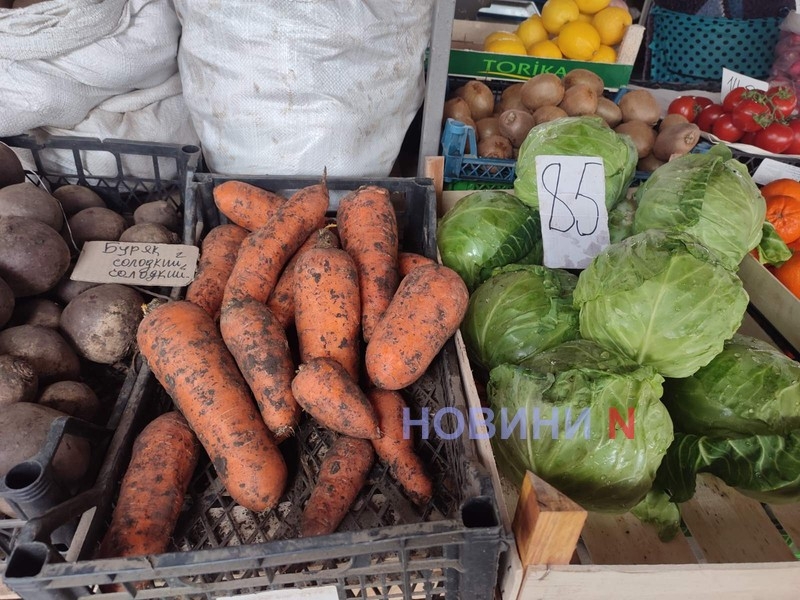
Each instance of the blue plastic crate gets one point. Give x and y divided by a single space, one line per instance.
461 162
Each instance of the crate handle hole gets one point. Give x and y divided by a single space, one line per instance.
479 512
27 560
190 149
23 475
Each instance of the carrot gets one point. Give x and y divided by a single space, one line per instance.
259 346
217 256
425 312
342 474
281 301
246 205
151 495
265 251
396 448
186 353
325 390
368 229
328 308
410 260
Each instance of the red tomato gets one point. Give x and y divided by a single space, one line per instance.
749 138
702 101
685 106
725 129
775 137
733 98
794 147
752 114
705 120
783 100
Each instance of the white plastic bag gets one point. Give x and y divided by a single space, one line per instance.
290 87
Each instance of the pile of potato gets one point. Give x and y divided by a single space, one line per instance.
55 331
502 124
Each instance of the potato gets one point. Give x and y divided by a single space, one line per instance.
101 322
149 233
11 170
162 212
96 224
75 198
72 398
33 256
32 202
6 303
48 352
24 427
19 380
36 311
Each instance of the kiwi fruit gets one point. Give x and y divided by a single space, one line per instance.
585 77
676 141
515 125
642 134
487 127
671 120
649 163
548 113
640 105
495 146
479 98
580 99
544 89
608 111
456 108
510 99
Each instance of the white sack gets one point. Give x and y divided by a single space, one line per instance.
289 87
62 58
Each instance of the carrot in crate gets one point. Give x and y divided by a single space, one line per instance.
406 261
246 205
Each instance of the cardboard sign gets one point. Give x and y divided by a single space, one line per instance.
327 592
135 263
732 79
572 192
770 170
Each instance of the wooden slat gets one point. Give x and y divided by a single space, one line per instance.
731 528
624 540
789 517
768 581
547 524
434 168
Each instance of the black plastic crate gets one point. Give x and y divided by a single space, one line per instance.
386 547
120 388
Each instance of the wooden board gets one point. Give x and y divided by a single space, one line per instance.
770 581
731 528
624 540
789 517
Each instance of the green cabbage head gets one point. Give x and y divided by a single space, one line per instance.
710 196
577 136
519 311
750 388
661 299
574 379
485 230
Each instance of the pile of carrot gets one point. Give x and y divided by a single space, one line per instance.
369 320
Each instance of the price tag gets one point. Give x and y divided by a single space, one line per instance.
732 79
327 592
572 192
136 264
770 170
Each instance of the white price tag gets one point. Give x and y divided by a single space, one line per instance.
134 263
770 170
732 79
327 592
572 192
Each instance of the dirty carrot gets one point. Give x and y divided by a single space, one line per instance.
328 307
396 448
246 205
151 495
342 474
411 260
281 301
425 312
326 392
186 353
258 344
368 229
266 250
217 256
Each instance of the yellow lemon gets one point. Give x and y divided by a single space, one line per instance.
584 18
545 49
578 41
592 6
531 31
611 23
557 13
605 54
509 46
499 35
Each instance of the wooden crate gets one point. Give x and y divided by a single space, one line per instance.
735 550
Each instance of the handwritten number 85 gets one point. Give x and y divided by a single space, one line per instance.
579 210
